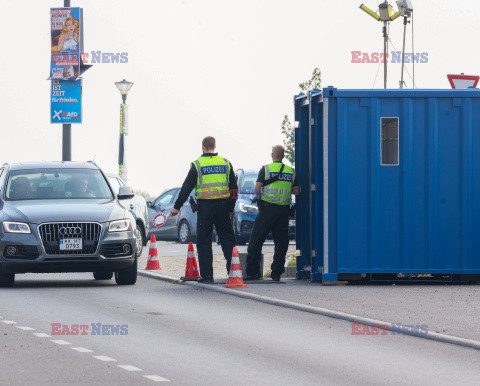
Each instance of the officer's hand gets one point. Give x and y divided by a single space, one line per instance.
231 214
174 212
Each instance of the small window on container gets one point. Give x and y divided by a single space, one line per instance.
389 146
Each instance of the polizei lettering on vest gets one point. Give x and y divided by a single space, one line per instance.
283 176
219 169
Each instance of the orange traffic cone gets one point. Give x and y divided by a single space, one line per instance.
235 278
191 272
153 261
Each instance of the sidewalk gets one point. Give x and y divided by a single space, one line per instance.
173 258
448 309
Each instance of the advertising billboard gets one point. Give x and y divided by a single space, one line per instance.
66 101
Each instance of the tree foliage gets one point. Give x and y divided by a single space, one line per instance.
288 132
288 129
146 195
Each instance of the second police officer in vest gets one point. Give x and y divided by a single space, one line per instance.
275 199
215 186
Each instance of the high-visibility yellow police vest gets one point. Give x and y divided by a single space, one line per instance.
279 192
213 175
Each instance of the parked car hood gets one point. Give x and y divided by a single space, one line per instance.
40 211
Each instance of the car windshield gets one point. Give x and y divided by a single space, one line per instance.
44 184
246 184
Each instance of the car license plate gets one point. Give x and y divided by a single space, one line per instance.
71 244
291 223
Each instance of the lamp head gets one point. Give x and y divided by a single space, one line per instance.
124 87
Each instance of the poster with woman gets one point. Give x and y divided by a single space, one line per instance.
66 25
66 30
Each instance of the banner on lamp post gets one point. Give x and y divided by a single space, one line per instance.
122 159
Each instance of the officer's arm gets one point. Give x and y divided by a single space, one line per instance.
296 187
187 187
260 181
258 189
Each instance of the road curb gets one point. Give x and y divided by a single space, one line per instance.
435 336
158 276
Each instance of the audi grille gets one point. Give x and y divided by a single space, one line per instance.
51 233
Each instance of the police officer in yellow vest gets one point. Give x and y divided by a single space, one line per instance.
276 198
215 186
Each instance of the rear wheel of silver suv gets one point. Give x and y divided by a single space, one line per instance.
184 232
6 279
139 240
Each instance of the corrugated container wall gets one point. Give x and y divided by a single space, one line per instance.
390 182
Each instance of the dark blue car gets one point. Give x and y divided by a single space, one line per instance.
245 211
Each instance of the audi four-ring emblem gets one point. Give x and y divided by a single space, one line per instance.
64 231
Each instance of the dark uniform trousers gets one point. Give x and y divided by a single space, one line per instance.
213 212
271 218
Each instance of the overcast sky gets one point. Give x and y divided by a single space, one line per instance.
206 67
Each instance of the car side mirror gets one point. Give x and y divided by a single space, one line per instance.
149 204
125 193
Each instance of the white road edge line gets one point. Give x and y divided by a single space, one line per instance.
129 367
435 336
81 349
60 342
156 378
25 328
8 321
104 358
41 334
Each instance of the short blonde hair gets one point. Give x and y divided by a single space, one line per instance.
278 152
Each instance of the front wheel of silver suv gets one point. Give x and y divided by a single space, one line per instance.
6 279
128 277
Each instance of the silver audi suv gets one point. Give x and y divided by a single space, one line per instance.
64 217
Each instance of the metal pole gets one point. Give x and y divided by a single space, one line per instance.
403 50
67 127
385 41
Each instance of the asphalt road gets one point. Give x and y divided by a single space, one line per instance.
194 336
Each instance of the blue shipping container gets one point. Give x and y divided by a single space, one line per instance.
390 182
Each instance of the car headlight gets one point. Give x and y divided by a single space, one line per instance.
16 227
248 208
120 226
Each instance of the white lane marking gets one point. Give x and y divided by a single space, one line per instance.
61 342
8 321
156 378
129 368
81 349
41 334
104 358
25 328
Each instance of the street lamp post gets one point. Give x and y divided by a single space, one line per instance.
66 127
124 87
